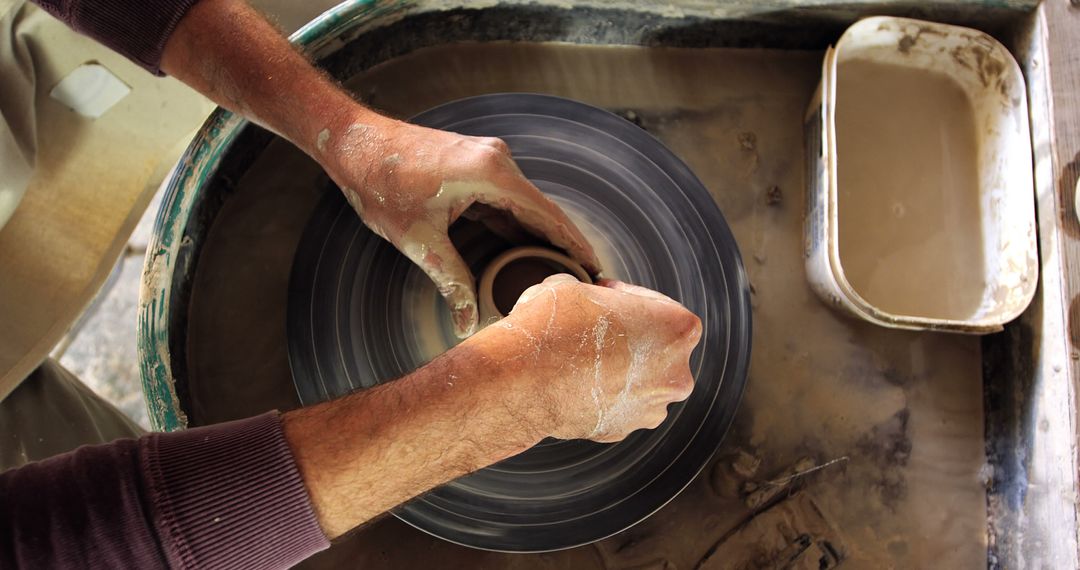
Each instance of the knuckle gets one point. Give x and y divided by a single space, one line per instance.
496 144
690 327
560 280
684 385
491 155
488 157
613 437
530 294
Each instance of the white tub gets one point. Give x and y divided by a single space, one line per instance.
944 238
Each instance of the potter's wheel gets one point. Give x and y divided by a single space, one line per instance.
360 313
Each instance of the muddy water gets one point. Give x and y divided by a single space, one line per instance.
900 413
909 215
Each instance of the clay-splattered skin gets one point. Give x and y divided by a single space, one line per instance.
587 375
570 361
602 360
623 353
410 183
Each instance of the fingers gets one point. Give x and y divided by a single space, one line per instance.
650 420
560 278
534 291
528 295
682 383
540 215
513 192
495 143
682 327
439 259
636 290
500 222
680 321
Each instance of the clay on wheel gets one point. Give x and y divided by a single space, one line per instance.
514 271
360 313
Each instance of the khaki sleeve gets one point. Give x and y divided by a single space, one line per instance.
18 133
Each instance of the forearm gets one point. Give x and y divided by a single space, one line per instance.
227 51
369 452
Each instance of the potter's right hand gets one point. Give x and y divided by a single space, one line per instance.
570 361
410 183
605 359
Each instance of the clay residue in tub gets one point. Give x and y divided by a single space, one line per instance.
910 220
908 40
905 43
987 65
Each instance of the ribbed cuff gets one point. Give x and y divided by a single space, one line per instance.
230 496
137 29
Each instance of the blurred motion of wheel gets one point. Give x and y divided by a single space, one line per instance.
360 314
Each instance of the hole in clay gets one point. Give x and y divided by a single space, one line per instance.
517 276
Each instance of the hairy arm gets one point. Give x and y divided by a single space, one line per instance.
227 51
492 396
571 361
427 428
393 173
546 370
364 454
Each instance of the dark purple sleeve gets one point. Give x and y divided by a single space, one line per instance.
137 29
223 496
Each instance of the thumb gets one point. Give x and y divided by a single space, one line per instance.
440 260
535 290
637 290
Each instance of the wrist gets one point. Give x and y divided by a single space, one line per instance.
514 374
349 136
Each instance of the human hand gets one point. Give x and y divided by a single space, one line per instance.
570 361
410 183
605 360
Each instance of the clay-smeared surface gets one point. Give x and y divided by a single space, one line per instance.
901 411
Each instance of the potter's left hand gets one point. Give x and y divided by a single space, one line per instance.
410 183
